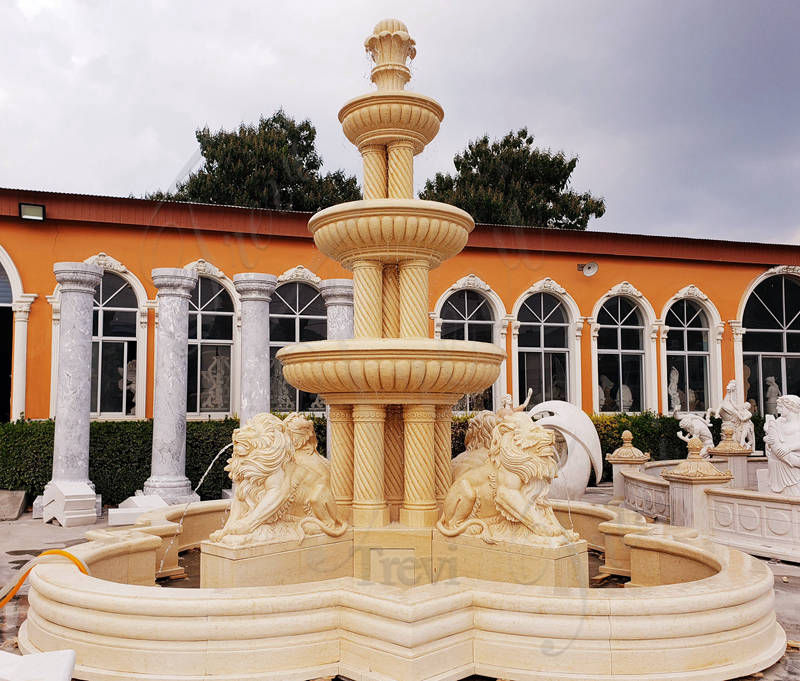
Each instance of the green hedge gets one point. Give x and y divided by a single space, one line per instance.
119 451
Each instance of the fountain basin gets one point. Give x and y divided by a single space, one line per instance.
706 614
391 370
384 116
391 230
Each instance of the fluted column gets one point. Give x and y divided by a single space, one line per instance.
367 298
443 451
414 299
168 469
77 281
374 158
401 169
369 500
340 420
393 457
419 496
391 302
255 290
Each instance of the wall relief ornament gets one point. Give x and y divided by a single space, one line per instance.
505 499
472 281
205 268
106 262
547 285
301 274
283 489
624 288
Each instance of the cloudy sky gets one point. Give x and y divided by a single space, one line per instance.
685 114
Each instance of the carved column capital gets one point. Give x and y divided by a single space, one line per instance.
174 282
255 286
78 277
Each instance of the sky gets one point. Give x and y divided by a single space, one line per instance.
685 115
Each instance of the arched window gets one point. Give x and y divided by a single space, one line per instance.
687 357
467 315
114 347
620 356
771 343
296 314
543 349
211 316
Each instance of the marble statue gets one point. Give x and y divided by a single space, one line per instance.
672 390
625 398
697 426
215 384
476 443
604 392
505 499
577 447
507 408
782 447
739 416
283 487
773 392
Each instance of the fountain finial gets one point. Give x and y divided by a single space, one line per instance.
390 46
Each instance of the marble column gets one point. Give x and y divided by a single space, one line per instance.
338 297
71 443
419 497
255 290
340 448
22 309
168 469
368 299
69 496
414 298
369 499
443 450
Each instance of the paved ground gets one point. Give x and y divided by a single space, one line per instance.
25 538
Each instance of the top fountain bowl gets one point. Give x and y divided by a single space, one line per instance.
391 231
388 116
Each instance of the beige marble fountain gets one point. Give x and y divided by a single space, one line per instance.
377 565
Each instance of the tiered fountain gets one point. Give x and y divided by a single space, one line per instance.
381 567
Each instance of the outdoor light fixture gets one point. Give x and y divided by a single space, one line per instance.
589 269
31 211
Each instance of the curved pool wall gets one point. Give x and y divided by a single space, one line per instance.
699 611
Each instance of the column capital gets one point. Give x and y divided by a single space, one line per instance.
173 281
79 277
255 285
21 306
337 292
363 413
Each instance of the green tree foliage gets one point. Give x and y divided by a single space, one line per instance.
511 182
272 164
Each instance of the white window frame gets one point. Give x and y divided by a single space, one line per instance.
295 277
574 337
739 330
21 307
107 262
716 328
211 271
472 282
649 343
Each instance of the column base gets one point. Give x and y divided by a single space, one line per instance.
70 503
370 517
172 490
419 517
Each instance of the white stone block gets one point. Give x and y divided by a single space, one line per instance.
762 476
70 503
129 510
53 666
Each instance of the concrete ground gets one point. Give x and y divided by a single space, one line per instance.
25 538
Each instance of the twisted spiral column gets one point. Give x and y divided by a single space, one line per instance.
374 159
391 302
393 458
340 419
369 500
414 298
419 498
443 449
367 299
401 169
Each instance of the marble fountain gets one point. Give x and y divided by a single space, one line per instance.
379 565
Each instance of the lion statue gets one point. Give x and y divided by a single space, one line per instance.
282 484
476 443
505 499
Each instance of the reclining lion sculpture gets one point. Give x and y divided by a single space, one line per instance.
505 499
282 484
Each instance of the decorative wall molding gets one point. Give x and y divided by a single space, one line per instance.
300 274
205 268
106 262
471 281
624 288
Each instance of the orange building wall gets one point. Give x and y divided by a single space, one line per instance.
508 261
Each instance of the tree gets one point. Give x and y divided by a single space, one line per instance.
510 182
273 164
